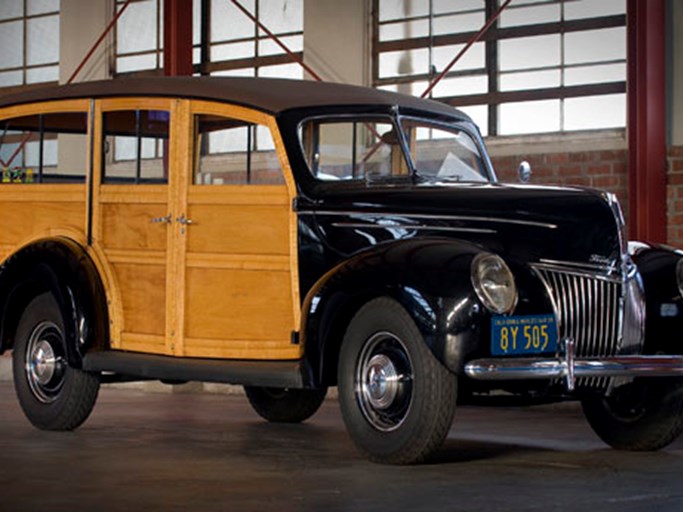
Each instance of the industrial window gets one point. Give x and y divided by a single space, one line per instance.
135 146
544 66
29 39
225 41
230 151
45 148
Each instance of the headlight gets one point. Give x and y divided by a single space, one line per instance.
679 276
494 283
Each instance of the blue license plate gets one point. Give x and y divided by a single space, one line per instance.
530 334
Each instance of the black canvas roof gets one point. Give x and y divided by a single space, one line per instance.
265 94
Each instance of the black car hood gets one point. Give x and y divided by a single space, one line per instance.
524 222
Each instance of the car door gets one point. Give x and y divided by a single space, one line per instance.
237 239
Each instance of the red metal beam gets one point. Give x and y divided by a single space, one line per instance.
178 37
646 84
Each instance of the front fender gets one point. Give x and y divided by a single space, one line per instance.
663 301
429 278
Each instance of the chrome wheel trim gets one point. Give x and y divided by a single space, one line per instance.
45 363
384 381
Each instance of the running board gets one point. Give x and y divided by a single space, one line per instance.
277 374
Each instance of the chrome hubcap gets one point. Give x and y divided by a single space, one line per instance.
45 362
384 381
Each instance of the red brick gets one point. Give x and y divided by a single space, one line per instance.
619 168
613 155
675 179
675 151
676 165
605 181
573 170
583 181
557 158
595 170
584 156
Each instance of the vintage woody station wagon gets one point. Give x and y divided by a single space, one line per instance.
290 236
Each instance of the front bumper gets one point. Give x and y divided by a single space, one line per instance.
567 367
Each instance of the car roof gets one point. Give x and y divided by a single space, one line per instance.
270 95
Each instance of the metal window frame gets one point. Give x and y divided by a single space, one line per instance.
25 18
494 97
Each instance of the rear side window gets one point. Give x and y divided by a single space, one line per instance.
44 148
234 152
135 146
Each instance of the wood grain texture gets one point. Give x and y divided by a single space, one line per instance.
143 294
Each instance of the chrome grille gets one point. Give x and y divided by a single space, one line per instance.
588 310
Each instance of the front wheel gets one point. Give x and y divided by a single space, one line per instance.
52 394
643 415
396 398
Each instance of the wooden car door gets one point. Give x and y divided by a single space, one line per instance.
237 265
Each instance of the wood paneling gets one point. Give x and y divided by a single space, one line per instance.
130 226
143 294
232 304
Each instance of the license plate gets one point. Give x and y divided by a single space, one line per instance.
530 334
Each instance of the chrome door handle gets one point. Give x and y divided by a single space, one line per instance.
183 220
162 220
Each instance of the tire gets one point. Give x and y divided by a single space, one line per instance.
643 415
52 394
285 405
396 398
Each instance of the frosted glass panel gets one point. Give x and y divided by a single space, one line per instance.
529 80
529 117
11 43
11 9
593 112
544 13
282 15
529 52
461 86
136 28
396 9
293 71
595 74
42 74
403 63
41 6
43 40
229 23
474 58
595 45
593 8
471 22
404 30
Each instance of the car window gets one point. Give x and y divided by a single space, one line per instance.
44 148
136 146
348 149
443 152
233 151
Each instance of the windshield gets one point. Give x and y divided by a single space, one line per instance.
443 152
372 149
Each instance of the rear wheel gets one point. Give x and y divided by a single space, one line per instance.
397 399
285 405
52 394
643 415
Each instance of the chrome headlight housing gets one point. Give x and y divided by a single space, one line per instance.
494 283
679 276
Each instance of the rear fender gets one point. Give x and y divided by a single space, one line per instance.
61 267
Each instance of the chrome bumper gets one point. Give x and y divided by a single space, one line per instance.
566 366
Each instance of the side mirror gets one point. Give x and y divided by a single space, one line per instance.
524 171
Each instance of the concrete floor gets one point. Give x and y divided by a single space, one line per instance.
205 452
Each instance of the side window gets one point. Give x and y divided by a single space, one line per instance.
44 148
230 151
135 146
351 149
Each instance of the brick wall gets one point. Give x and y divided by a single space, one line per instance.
675 196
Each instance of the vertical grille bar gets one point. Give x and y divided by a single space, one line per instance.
587 309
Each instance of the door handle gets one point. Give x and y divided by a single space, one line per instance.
183 220
162 220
